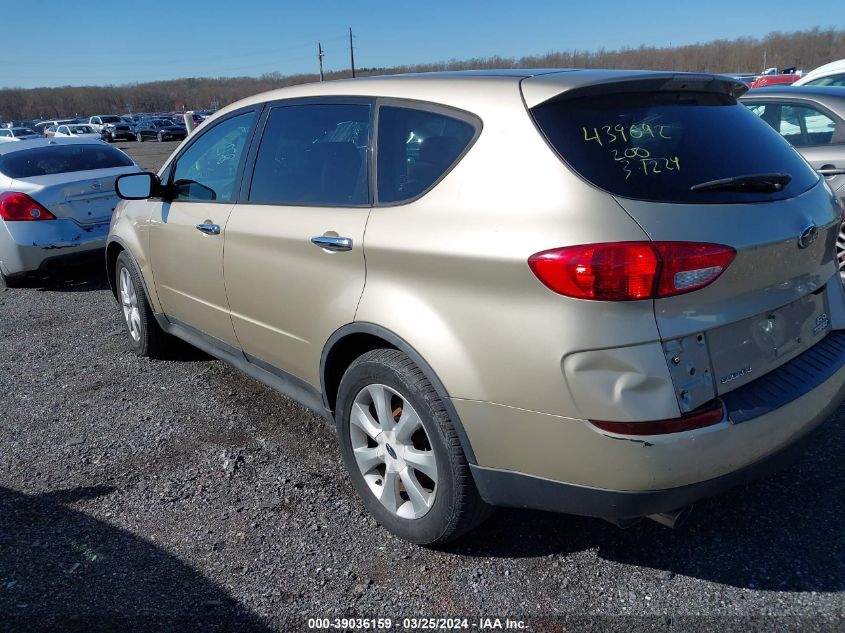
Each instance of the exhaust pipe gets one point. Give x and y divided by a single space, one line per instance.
672 518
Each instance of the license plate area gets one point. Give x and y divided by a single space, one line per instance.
746 350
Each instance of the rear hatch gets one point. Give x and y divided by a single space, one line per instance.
64 180
663 148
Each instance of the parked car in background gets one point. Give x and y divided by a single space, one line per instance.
24 123
122 130
48 128
179 119
812 119
159 130
771 77
17 134
56 202
832 74
673 316
76 130
99 120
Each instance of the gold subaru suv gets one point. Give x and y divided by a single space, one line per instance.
606 293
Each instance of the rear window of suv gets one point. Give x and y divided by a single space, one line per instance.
60 159
657 145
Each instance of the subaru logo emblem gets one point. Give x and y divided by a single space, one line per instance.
390 451
808 236
96 185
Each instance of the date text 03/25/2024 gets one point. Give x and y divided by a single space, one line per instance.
416 624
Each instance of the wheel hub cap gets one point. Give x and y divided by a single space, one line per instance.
129 303
393 451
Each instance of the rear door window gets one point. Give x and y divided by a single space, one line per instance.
313 154
801 125
658 145
416 148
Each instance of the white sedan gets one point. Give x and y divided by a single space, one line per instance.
17 134
76 131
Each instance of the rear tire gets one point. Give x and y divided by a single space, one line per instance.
139 137
160 138
402 452
17 281
146 338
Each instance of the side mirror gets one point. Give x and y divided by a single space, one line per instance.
137 186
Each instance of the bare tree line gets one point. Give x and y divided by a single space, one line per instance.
804 49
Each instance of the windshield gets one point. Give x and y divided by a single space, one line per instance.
23 131
81 129
658 145
60 159
110 119
162 123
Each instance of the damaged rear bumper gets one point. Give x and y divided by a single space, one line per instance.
32 246
567 465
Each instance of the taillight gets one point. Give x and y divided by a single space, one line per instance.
628 271
686 266
16 206
709 416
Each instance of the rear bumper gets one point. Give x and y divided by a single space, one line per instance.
570 466
31 246
517 490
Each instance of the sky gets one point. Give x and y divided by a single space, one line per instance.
112 42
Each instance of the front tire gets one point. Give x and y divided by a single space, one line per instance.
139 137
402 452
160 138
146 338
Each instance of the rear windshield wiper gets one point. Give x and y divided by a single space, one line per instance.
753 183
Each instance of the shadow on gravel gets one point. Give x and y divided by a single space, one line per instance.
781 534
77 278
61 570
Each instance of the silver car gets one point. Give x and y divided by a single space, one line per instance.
812 119
56 201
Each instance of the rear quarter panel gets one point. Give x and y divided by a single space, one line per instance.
449 272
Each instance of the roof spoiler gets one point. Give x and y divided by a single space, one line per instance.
543 88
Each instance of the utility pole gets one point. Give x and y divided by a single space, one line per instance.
351 53
320 58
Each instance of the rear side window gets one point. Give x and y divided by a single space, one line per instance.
801 125
415 149
60 159
657 145
313 155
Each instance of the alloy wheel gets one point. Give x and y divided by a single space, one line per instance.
393 451
129 302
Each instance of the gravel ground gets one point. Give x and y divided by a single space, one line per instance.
182 495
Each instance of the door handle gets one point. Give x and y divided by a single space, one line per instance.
333 243
209 229
831 171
